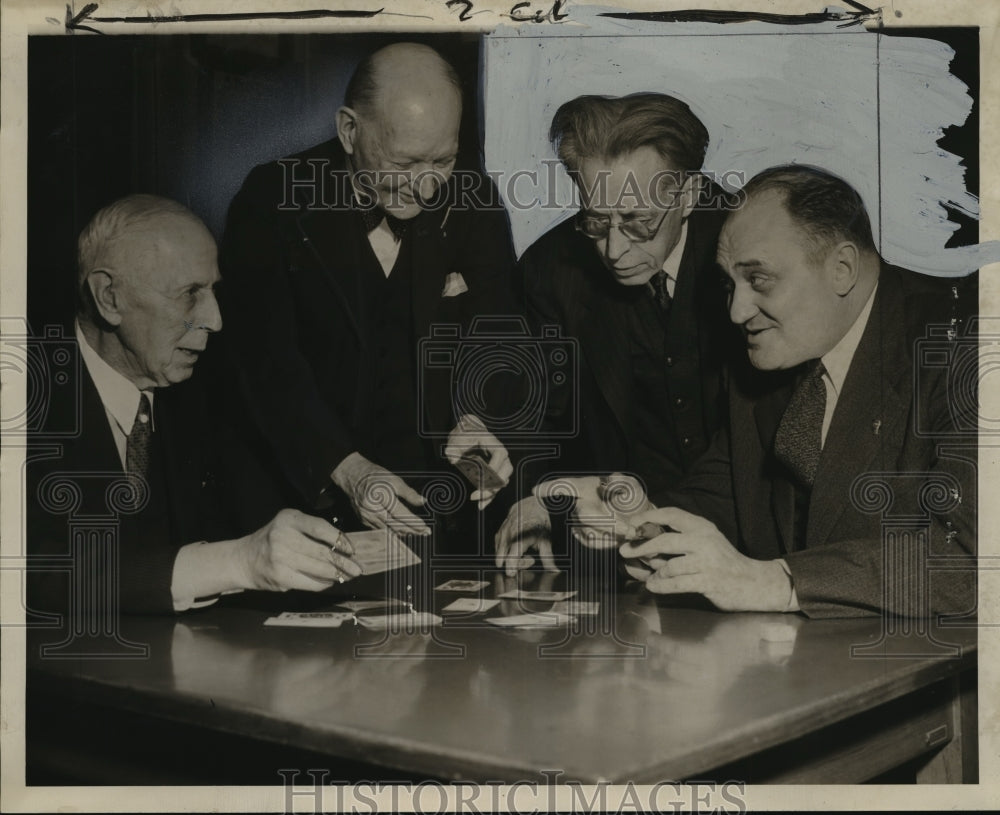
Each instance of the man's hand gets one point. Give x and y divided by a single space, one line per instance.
377 496
469 435
296 551
526 527
604 506
706 563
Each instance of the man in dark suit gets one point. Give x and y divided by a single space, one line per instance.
338 261
845 481
633 279
147 462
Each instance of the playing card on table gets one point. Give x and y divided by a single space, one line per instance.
378 550
311 619
545 619
461 585
538 596
364 605
399 620
471 605
575 607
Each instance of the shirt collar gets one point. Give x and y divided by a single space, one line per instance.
672 264
838 360
118 395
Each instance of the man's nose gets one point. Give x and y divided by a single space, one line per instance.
209 316
616 244
741 305
427 181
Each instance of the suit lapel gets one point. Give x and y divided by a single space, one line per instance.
332 238
861 423
604 336
767 415
95 447
431 260
430 266
183 427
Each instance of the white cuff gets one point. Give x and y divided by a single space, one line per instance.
793 598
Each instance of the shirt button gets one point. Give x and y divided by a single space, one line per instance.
670 362
679 402
686 441
143 418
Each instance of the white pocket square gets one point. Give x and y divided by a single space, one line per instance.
454 284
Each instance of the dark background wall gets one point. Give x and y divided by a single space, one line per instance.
182 116
189 116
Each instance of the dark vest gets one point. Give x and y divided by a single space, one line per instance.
654 453
390 421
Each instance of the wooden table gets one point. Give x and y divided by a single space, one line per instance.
645 691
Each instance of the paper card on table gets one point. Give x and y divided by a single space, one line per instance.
575 607
401 620
365 605
378 550
311 619
545 619
461 585
471 605
538 596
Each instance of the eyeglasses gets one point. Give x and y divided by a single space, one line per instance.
637 230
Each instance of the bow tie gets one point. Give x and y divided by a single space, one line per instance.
372 217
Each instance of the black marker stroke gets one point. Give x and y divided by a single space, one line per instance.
76 22
709 16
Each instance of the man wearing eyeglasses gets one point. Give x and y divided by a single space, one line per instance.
632 279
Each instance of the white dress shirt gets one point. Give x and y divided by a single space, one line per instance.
385 244
120 399
118 395
672 264
837 362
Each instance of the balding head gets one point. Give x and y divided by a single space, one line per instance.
399 125
146 272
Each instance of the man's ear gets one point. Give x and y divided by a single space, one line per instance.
347 129
106 298
844 261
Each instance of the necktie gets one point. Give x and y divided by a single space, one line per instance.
660 291
372 217
798 442
138 443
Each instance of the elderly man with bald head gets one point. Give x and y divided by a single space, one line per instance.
148 458
338 261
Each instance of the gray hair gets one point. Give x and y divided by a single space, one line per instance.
609 127
112 223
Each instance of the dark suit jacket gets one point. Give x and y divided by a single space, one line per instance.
196 509
295 321
899 457
566 284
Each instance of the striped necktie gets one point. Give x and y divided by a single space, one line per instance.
660 291
138 444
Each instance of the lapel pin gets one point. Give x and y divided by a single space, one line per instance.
876 425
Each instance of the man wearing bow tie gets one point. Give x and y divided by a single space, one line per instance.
338 261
